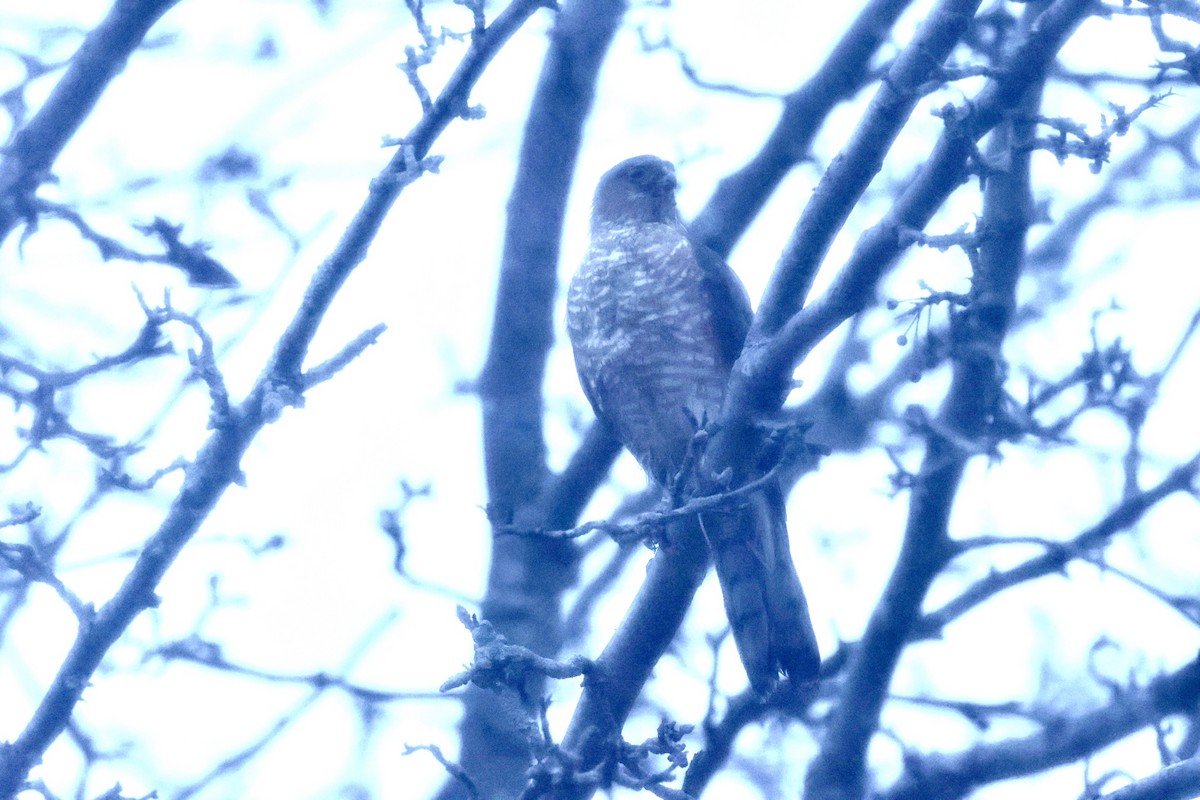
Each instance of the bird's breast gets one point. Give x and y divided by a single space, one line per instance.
636 286
641 324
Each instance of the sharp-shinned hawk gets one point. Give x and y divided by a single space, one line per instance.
657 321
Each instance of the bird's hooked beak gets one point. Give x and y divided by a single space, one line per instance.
670 182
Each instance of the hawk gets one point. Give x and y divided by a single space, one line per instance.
656 322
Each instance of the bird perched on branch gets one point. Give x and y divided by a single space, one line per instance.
656 322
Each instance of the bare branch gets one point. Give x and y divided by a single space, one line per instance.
208 654
243 756
147 344
1121 518
1073 138
30 156
649 525
499 664
1176 782
217 464
21 517
1187 605
49 420
689 69
204 362
26 560
339 361
617 677
114 475
1061 741
741 196
190 258
457 772
964 428
520 489
623 663
761 373
850 173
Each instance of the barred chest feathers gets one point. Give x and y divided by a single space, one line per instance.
641 322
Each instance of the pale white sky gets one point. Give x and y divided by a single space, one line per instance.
322 473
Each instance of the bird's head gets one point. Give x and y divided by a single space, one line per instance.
639 189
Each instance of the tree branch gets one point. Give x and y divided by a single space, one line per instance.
28 159
625 663
741 196
765 367
1121 518
1176 782
1061 741
617 676
860 160
839 770
526 578
217 464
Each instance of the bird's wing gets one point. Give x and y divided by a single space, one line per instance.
728 299
592 394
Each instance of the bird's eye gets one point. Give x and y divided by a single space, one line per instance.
639 174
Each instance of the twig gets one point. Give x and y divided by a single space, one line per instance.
1176 782
965 425
1187 606
350 351
246 754
1053 561
689 69
49 422
742 195
499 664
204 362
457 772
879 247
29 158
28 560
1068 738
646 525
850 173
216 465
22 517
204 653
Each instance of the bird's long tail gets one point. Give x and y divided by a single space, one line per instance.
763 597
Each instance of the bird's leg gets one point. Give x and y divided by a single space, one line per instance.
656 535
682 485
